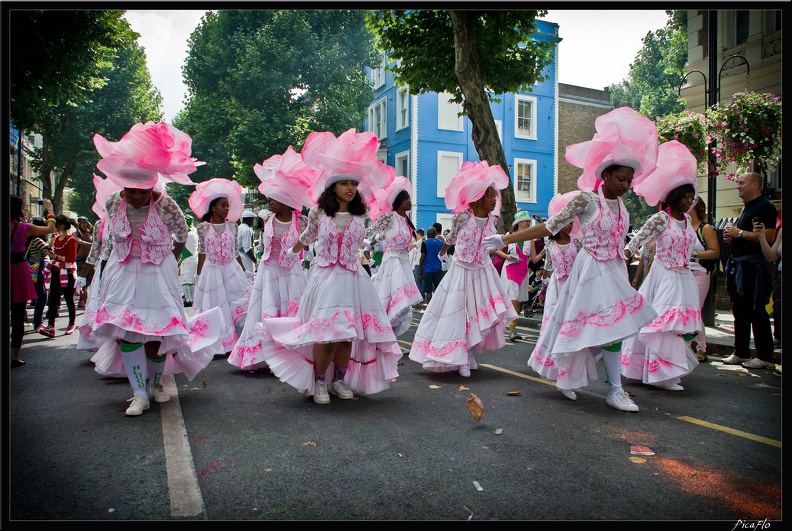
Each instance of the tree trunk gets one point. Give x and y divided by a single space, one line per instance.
484 132
45 173
60 186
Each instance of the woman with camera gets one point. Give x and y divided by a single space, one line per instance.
704 259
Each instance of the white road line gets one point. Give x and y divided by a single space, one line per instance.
185 493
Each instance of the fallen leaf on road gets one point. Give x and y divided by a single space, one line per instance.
434 387
514 393
203 382
637 460
309 443
463 388
267 470
641 450
498 431
400 455
694 473
475 406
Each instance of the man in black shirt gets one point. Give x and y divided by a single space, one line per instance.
749 276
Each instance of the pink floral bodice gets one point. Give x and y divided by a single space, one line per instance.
673 244
276 248
398 235
218 247
154 242
561 258
334 245
604 236
466 236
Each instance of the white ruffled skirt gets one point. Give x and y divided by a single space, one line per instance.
395 285
224 286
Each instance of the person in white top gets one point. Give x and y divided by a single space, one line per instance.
415 259
245 242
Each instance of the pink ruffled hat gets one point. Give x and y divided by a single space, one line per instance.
104 187
557 204
676 166
471 182
623 137
286 179
208 191
386 196
145 152
351 156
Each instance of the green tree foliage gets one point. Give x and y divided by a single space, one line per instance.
261 80
56 58
654 77
474 55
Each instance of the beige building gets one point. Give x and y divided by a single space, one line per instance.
754 36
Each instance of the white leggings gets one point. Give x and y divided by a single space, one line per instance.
703 285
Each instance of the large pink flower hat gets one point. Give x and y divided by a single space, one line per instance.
557 204
145 152
208 191
676 166
286 179
384 197
351 156
471 182
104 187
623 137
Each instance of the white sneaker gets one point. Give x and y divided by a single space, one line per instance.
340 389
733 359
138 405
464 370
569 393
621 401
160 395
756 363
320 392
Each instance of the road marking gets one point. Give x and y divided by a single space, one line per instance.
732 431
185 493
692 420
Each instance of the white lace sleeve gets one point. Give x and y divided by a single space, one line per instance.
107 247
95 254
576 206
548 262
381 225
311 232
652 228
302 222
458 221
202 228
173 217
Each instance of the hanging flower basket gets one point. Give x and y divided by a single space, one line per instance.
747 131
687 128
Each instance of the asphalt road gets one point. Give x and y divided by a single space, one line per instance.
234 445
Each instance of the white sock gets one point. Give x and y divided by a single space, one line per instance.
612 362
155 368
136 369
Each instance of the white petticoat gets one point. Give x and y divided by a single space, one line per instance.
338 305
395 285
469 310
224 286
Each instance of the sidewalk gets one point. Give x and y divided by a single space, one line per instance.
720 337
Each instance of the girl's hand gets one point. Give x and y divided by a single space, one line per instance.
759 229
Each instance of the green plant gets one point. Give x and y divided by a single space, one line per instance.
748 131
687 128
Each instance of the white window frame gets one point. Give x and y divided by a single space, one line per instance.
402 108
378 74
448 117
402 158
520 196
499 128
379 129
382 155
444 179
444 220
519 132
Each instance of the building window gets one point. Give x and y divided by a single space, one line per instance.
499 128
525 181
378 74
448 116
741 30
525 117
402 164
402 108
448 164
378 119
774 180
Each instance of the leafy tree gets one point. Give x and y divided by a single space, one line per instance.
651 86
261 80
474 55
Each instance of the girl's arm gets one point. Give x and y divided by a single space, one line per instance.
713 247
770 252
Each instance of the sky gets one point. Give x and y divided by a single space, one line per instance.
596 49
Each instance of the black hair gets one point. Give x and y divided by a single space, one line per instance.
676 195
38 221
438 227
420 231
16 208
430 231
208 216
329 203
701 209
555 236
400 197
613 167
60 219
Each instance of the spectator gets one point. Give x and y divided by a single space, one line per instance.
60 276
84 235
430 268
749 280
415 259
773 254
706 251
245 242
777 288
37 258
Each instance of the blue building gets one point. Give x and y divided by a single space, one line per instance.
425 140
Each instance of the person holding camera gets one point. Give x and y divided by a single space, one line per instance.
749 281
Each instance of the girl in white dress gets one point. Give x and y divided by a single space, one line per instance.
660 354
280 280
395 282
470 309
220 279
597 308
341 326
140 302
